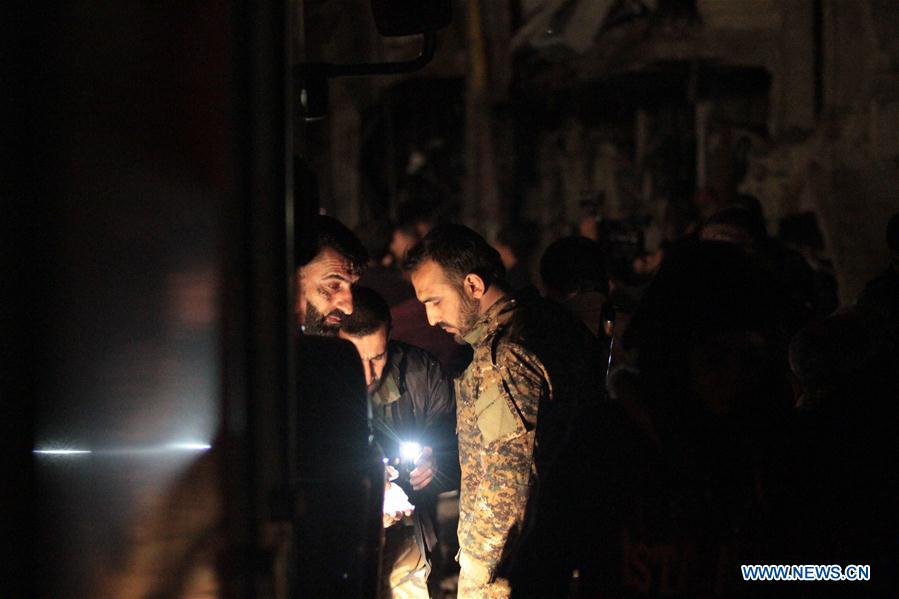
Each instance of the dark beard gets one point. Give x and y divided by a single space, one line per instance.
315 323
468 315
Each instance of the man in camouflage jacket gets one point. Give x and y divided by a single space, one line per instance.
517 404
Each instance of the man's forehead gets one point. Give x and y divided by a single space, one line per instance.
430 279
374 351
369 346
329 261
429 273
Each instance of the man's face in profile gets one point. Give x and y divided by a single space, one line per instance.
447 305
324 293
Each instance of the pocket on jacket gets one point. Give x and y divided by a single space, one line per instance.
496 419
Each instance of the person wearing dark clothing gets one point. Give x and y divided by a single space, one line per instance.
411 402
800 233
787 268
516 244
573 273
382 275
847 367
881 294
339 470
695 489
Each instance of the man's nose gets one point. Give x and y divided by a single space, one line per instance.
344 301
432 315
369 371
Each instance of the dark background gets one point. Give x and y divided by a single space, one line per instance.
148 152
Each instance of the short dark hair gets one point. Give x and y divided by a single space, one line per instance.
703 288
574 265
459 251
331 233
370 312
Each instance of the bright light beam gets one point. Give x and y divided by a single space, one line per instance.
189 446
176 447
410 450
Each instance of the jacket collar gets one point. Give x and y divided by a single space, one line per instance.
496 316
389 390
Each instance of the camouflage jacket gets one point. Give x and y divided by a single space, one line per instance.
497 400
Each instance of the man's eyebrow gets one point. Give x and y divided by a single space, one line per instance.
336 275
429 299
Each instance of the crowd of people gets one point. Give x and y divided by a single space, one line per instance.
620 422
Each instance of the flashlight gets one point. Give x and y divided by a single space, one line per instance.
409 451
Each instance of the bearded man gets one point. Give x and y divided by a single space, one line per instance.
324 296
338 468
518 406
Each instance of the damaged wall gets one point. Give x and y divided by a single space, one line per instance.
846 169
823 131
829 142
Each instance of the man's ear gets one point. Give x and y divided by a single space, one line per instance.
474 286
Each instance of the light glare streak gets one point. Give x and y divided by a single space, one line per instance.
169 448
189 446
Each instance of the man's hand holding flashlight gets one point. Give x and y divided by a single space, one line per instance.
425 469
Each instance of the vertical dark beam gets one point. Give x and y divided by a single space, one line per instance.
16 407
258 393
294 42
237 392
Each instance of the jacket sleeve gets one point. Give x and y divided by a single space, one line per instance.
440 429
507 419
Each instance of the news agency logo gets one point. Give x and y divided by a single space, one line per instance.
803 573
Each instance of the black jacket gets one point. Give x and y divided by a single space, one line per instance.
415 402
